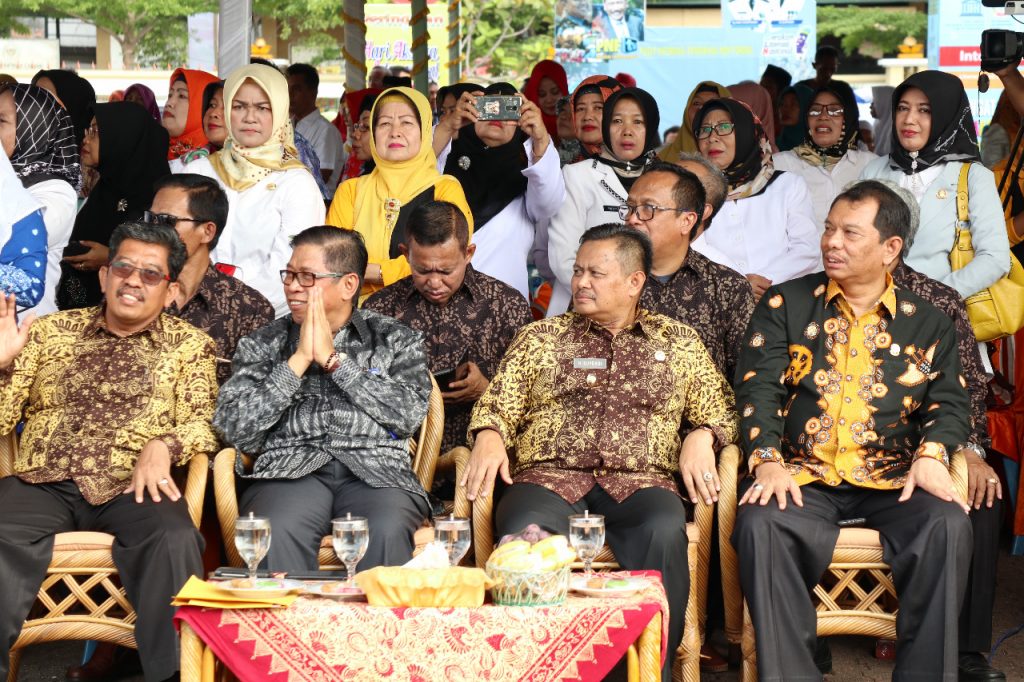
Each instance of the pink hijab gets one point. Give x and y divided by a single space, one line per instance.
760 102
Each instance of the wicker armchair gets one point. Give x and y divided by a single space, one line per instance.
856 596
424 452
81 597
687 665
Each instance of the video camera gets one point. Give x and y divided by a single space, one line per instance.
1000 48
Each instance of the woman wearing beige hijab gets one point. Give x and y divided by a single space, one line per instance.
271 193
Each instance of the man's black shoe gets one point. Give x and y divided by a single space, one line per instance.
974 668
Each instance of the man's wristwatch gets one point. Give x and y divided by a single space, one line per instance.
976 449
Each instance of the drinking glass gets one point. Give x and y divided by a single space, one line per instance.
586 535
351 535
252 540
453 532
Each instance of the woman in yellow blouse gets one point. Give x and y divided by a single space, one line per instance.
379 204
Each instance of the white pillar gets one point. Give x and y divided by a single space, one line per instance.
354 49
420 36
234 35
454 64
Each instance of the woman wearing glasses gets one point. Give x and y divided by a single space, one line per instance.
827 159
766 226
129 150
932 138
272 195
595 188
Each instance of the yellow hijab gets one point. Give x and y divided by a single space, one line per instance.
685 140
242 167
392 184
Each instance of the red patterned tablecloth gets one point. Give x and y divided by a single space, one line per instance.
321 640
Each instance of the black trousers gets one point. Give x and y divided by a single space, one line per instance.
646 531
300 512
783 554
976 613
156 550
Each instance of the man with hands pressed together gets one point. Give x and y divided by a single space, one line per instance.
325 400
111 397
852 401
592 402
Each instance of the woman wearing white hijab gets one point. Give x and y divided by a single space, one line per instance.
271 193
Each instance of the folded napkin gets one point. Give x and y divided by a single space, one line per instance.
198 592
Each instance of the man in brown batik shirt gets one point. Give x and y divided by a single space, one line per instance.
222 306
592 402
466 317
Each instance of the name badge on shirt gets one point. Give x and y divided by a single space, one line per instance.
590 363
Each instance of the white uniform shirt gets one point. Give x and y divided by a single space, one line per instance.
825 184
261 222
772 234
60 206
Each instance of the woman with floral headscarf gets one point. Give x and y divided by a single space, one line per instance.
933 136
595 188
827 159
39 139
766 226
272 195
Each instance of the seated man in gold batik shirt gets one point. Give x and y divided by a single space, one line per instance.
112 397
851 402
592 402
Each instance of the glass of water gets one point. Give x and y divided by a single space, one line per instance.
453 532
586 535
252 540
351 535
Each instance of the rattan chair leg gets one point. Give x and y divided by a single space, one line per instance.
15 664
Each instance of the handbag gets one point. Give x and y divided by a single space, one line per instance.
997 311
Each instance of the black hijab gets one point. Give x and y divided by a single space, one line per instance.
748 133
652 120
851 120
44 146
491 177
77 96
952 136
133 156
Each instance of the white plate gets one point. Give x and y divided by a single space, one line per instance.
347 594
264 588
634 585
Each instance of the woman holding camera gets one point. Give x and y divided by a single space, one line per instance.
932 137
596 187
405 176
510 173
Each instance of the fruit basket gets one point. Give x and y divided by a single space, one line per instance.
528 588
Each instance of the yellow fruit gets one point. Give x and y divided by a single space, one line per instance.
566 556
521 562
509 549
551 546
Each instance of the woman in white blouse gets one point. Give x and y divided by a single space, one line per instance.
596 187
271 194
766 226
932 137
828 159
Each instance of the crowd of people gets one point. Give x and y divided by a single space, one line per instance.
611 308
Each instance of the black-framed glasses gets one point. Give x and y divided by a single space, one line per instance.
307 279
646 212
833 110
168 220
360 128
149 277
721 129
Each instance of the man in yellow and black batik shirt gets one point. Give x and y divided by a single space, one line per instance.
851 403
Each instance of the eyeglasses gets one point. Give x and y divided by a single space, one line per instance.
92 131
721 129
646 212
360 128
835 111
307 279
149 277
168 220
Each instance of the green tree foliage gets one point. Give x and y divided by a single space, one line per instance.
873 31
505 38
131 22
